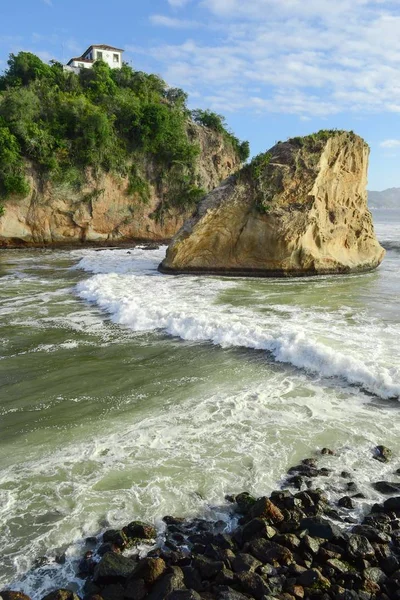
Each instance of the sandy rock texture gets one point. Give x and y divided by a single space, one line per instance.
299 209
103 211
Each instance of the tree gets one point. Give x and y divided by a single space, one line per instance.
24 68
210 119
12 180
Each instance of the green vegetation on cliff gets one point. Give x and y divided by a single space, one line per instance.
100 119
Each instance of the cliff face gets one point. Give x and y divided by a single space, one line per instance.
103 211
299 209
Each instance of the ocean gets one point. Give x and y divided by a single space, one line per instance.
129 394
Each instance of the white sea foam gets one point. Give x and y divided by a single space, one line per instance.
181 460
91 461
321 342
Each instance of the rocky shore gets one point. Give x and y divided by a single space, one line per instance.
293 545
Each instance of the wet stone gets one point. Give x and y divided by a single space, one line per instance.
346 502
114 591
318 527
183 595
372 534
253 584
359 546
166 584
149 569
382 453
229 594
10 595
135 589
60 594
386 487
137 530
117 537
245 562
245 501
375 574
112 568
266 509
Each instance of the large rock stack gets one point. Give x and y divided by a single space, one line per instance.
299 209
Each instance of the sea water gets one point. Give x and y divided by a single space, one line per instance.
130 394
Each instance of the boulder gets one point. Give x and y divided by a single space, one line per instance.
138 530
11 595
149 569
392 504
245 562
167 584
265 509
321 528
382 453
135 589
245 501
114 591
60 594
346 502
386 487
253 584
299 209
257 528
359 546
111 569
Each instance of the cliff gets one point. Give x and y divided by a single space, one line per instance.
105 209
299 209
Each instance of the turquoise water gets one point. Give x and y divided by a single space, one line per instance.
126 393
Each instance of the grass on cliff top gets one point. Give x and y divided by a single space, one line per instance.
99 119
320 136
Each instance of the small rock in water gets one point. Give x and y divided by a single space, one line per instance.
386 487
346 502
327 451
245 501
41 561
351 486
382 453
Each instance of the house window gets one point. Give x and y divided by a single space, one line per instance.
99 55
116 58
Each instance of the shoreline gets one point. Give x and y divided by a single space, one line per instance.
107 244
292 545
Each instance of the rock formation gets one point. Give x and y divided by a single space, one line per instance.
299 209
103 211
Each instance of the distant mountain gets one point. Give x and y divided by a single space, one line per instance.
387 199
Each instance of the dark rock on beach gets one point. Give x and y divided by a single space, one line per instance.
288 546
382 453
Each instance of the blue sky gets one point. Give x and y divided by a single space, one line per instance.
274 68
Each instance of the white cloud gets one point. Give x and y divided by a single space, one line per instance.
308 58
173 23
48 2
390 144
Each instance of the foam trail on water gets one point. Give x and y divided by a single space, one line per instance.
189 308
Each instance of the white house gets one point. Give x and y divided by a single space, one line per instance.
110 55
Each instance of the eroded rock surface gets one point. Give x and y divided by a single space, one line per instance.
299 209
104 211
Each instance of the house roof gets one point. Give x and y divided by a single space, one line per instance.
80 59
102 47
